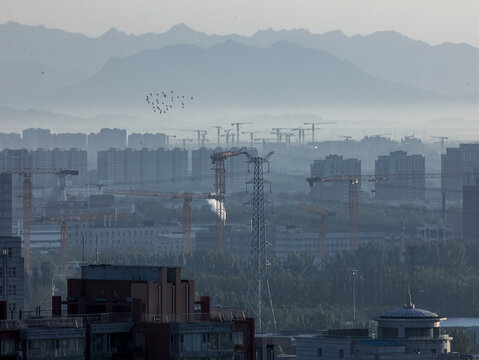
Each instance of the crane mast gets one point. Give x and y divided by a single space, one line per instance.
26 173
218 160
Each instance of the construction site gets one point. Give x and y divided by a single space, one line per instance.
296 198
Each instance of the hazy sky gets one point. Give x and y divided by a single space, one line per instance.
434 21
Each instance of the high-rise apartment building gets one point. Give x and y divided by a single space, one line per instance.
334 166
104 140
10 141
6 204
11 260
459 168
146 140
470 213
410 183
37 138
142 166
201 166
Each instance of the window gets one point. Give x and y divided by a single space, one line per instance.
389 332
238 337
7 347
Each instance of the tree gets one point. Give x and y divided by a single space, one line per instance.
461 342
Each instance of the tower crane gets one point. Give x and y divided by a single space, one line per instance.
313 127
354 181
251 136
27 173
203 139
218 160
218 131
288 138
183 142
200 134
323 214
227 135
442 140
301 132
277 131
63 220
237 124
187 199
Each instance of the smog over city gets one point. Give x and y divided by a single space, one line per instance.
226 179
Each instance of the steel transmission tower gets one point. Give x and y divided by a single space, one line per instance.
258 300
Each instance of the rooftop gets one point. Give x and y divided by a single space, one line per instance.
409 311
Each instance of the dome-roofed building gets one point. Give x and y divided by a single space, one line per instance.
417 329
402 334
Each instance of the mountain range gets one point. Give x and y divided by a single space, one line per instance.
292 67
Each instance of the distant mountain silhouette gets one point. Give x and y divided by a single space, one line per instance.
231 73
404 65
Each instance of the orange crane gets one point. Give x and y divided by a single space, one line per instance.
353 192
27 199
218 160
187 198
62 220
323 214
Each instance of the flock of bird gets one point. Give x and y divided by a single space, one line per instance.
166 101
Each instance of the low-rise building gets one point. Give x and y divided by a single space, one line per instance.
441 231
402 334
291 239
156 239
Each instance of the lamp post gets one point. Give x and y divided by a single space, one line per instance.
354 273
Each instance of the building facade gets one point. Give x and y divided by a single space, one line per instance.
147 140
110 238
459 168
290 240
402 334
405 177
334 166
470 213
6 210
201 167
131 166
12 275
